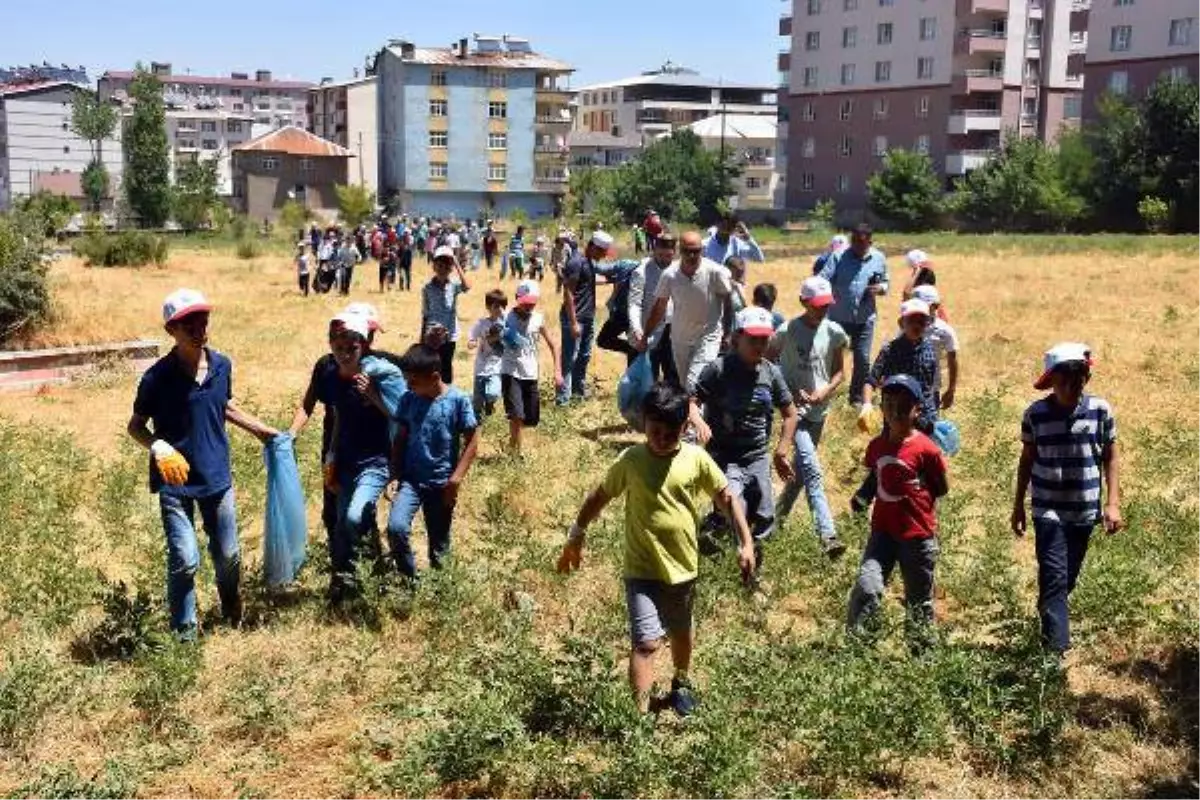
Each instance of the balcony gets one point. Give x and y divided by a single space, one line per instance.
1081 5
964 121
551 149
980 40
1079 42
556 184
553 119
785 25
1074 81
968 7
784 61
978 80
960 162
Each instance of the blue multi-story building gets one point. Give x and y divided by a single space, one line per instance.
477 127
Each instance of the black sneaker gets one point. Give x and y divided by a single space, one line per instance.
681 699
833 547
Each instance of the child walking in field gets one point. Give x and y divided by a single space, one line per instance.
945 345
519 363
764 296
910 474
439 305
303 269
1069 447
484 339
437 437
664 482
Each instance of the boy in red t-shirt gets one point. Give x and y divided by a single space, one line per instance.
912 474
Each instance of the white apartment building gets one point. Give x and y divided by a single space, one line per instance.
749 140
346 112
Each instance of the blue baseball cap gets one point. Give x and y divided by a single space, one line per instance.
907 382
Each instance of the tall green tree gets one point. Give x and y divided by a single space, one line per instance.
195 193
1018 190
1116 142
673 169
906 192
356 204
95 120
147 152
1171 111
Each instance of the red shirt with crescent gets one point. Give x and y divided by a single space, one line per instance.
904 506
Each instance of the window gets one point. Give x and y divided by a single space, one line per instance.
843 184
928 28
850 36
239 106
497 79
1176 73
806 182
233 126
814 7
1029 107
208 126
808 113
847 74
810 147
235 92
439 139
849 5
923 144
497 141
923 106
883 33
1181 31
209 144
497 110
270 163
812 40
810 76
306 165
846 111
1033 70
1118 82
925 68
497 172
437 77
754 183
1072 106
1121 3
846 147
438 170
881 108
66 148
437 108
1120 38
883 71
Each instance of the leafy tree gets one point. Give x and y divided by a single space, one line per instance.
1171 111
48 211
1155 213
147 152
293 216
1018 190
906 192
94 120
24 289
356 204
1118 167
673 169
195 193
823 214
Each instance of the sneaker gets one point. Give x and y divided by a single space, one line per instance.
833 547
681 699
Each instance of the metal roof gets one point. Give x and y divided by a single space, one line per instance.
602 139
294 142
502 59
215 80
673 79
344 83
743 126
13 89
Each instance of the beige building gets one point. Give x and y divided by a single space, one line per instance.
288 164
345 112
942 77
1132 43
749 141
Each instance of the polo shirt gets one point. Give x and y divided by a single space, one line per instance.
191 418
1069 449
581 272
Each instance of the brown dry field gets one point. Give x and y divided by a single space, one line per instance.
1140 317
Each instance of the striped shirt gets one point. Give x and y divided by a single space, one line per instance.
439 305
1069 450
902 356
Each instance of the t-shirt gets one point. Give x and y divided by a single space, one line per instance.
487 356
1069 449
439 305
433 428
582 272
808 358
904 505
520 339
302 264
191 418
944 340
697 301
363 438
738 402
664 498
452 241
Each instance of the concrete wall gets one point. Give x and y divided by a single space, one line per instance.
468 130
467 205
362 137
1151 23
522 109
265 191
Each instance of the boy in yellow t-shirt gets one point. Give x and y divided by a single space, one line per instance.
666 484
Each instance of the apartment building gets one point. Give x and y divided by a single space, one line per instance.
601 150
943 77
1131 43
748 140
479 125
661 100
345 112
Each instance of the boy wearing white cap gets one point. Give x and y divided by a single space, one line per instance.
439 306
811 353
519 363
187 397
945 344
836 245
738 393
920 270
578 316
1069 448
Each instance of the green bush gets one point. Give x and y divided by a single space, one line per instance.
163 675
29 686
823 214
24 292
124 249
247 249
64 781
1155 213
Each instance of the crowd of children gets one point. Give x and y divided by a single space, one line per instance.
400 421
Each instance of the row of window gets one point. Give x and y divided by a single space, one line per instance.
883 72
1118 81
884 34
881 109
440 171
495 141
845 147
1120 37
600 98
441 108
493 78
209 126
808 180
817 6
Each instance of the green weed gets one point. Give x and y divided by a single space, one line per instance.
30 684
115 780
162 676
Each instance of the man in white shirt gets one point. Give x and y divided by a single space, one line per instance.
643 284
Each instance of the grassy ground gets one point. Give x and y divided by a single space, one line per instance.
502 678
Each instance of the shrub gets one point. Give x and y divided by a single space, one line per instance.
247 249
129 628
1155 213
29 686
64 781
163 675
124 249
822 215
24 292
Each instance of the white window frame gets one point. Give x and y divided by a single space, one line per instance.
810 76
924 74
497 109
754 182
807 181
847 75
306 164
1120 38
928 29
1122 3
270 163
812 41
842 185
497 79
846 110
497 140
439 139
922 109
880 146
438 170
922 144
884 28
439 108
814 7
207 144
882 108
849 37
809 148
233 126
883 71
846 146
497 172
808 113
437 77
1118 82
1184 24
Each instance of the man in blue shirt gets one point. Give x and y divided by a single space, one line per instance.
732 239
858 275
187 397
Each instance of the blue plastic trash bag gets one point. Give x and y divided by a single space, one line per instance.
491 388
387 378
285 537
633 387
945 436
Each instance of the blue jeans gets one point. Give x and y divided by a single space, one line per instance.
438 516
862 335
183 553
357 498
917 558
576 355
1061 548
808 477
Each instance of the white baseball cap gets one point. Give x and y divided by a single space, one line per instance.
914 307
917 258
528 293
816 291
927 294
182 302
355 323
1062 353
755 321
602 240
367 310
445 251
839 242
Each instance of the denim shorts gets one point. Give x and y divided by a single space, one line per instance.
657 608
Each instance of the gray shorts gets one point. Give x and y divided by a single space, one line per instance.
657 608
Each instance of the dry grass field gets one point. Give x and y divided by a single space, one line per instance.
469 690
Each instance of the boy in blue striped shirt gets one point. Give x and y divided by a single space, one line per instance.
1070 446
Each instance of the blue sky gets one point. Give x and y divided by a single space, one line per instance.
304 39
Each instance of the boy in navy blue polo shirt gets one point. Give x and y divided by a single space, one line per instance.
433 420
187 396
1069 445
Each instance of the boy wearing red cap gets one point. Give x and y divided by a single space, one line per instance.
519 363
